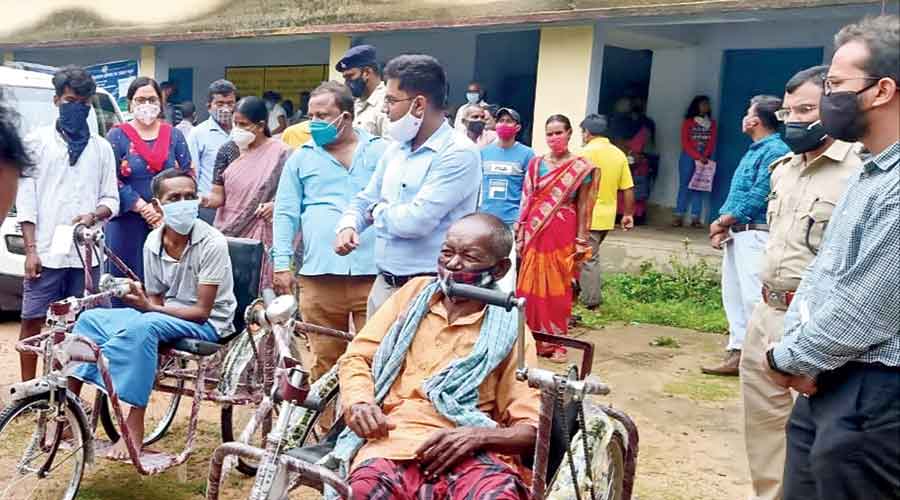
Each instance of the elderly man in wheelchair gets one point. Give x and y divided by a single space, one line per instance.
428 387
187 294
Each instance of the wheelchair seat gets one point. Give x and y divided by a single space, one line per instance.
314 453
246 258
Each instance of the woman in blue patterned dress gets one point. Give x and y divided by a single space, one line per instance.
143 147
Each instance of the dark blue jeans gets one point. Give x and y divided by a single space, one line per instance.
843 443
688 199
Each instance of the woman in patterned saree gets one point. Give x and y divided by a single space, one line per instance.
552 234
243 191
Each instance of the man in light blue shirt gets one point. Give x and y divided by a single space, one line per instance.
206 138
427 179
317 184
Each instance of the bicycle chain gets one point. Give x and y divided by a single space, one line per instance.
588 463
560 407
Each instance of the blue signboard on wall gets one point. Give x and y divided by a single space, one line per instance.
115 77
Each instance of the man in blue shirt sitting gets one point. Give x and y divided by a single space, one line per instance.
428 178
317 184
504 164
742 229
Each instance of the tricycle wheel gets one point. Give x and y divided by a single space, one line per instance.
28 431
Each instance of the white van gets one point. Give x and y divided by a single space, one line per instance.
31 94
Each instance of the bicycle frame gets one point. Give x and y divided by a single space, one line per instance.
293 389
550 384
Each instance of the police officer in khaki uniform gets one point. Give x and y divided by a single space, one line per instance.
359 68
806 185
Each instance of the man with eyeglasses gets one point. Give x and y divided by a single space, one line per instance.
741 229
428 178
208 137
841 347
805 188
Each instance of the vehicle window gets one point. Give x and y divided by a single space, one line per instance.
106 114
35 105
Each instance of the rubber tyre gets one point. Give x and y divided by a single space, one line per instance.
73 406
616 451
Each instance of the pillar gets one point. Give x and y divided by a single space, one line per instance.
339 45
8 57
568 78
147 64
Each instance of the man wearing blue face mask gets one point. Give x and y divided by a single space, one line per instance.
187 292
73 182
317 184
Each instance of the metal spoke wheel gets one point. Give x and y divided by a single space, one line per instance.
28 430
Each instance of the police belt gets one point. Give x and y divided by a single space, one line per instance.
777 299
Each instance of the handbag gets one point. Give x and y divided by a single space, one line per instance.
702 180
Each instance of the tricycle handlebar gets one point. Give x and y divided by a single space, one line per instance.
506 300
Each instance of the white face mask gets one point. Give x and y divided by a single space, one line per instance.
146 113
406 128
472 97
242 137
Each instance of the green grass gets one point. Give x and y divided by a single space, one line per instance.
689 297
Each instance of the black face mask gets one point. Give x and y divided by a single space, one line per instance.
357 86
475 127
804 136
841 116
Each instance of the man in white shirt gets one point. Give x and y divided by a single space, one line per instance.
73 182
277 115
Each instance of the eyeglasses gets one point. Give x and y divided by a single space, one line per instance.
390 101
146 100
784 113
830 83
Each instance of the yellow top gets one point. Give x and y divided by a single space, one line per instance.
296 135
801 202
615 176
436 344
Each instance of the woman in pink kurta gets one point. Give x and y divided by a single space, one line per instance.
244 191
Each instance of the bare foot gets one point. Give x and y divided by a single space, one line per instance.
118 451
135 425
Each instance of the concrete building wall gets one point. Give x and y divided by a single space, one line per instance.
209 59
680 73
82 56
455 49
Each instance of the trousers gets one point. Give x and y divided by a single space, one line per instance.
129 340
767 406
591 278
381 291
843 442
329 300
741 283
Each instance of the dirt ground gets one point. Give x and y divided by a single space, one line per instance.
689 424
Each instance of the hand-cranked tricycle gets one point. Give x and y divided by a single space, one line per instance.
597 443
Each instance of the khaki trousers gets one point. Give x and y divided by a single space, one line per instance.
329 300
767 406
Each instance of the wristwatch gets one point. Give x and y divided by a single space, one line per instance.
770 360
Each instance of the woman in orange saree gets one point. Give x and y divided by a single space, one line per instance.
552 235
